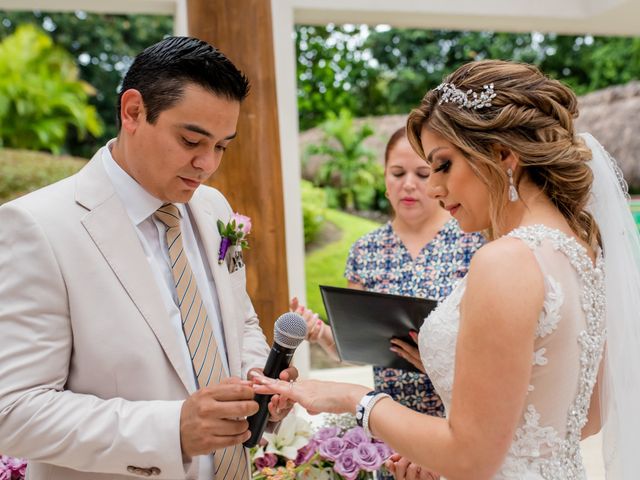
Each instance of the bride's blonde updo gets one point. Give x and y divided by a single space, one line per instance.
530 115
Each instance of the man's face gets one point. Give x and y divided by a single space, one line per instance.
182 149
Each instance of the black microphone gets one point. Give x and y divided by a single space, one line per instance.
289 331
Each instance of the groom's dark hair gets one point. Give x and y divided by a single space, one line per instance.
162 71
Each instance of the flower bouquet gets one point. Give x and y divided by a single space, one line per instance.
12 468
333 452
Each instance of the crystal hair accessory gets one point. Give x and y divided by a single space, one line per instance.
468 99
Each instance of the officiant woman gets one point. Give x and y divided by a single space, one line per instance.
421 252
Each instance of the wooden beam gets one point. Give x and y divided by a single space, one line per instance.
250 175
166 7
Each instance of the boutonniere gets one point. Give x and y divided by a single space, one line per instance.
234 233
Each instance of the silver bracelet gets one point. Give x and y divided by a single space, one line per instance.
365 405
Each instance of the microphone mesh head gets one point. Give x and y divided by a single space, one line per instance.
290 330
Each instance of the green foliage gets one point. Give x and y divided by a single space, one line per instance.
103 47
334 73
325 266
369 191
233 232
314 203
589 63
383 70
40 93
24 171
350 170
412 61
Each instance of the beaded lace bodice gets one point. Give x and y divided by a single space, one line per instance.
567 351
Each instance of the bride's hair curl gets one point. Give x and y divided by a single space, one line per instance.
532 116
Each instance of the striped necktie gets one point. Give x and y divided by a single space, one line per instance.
230 463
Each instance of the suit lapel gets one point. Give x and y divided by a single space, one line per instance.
206 217
111 230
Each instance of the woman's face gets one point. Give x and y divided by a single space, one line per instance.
454 184
406 176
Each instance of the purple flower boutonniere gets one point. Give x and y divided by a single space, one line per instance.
234 233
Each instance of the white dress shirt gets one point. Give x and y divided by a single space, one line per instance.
140 206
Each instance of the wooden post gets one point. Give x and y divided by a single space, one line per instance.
250 175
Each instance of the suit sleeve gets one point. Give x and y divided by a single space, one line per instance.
40 419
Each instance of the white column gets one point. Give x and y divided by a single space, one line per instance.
181 19
286 87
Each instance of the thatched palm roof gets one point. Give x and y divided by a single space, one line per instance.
611 115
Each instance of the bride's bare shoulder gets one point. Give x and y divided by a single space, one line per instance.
504 282
505 262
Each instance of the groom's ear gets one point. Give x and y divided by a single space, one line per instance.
132 111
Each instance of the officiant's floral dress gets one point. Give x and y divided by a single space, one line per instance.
380 262
566 357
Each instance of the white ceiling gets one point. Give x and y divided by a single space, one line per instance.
605 17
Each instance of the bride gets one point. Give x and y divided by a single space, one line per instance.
538 346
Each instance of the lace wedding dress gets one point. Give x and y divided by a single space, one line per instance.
568 348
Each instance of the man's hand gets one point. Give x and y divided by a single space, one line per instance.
213 417
279 407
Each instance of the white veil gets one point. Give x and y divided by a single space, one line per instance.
620 388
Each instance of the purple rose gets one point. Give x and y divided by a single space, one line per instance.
383 450
356 436
324 433
268 460
347 466
306 453
368 457
332 448
5 472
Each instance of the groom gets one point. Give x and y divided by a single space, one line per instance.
124 338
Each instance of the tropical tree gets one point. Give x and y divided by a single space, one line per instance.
41 96
411 61
103 47
349 172
384 70
334 73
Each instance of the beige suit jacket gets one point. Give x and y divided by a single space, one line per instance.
92 378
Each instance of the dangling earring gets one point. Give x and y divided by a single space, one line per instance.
513 193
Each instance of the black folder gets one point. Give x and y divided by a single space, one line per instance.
363 323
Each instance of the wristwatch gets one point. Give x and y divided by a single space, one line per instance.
364 407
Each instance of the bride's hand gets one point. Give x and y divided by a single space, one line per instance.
403 469
407 351
314 395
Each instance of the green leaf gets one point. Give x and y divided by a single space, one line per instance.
45 96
